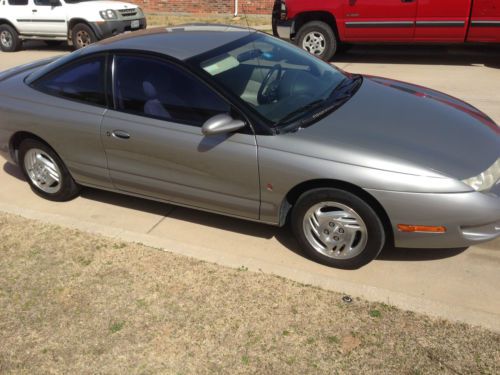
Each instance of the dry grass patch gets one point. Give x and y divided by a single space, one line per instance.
167 19
77 303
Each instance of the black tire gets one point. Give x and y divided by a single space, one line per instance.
325 32
9 39
375 238
82 35
67 188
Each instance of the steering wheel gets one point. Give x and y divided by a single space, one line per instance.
268 91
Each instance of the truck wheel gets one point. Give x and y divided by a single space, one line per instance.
318 39
337 228
9 39
82 36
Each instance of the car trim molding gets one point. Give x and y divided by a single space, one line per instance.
34 20
378 24
440 23
485 23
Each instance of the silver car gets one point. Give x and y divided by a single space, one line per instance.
233 121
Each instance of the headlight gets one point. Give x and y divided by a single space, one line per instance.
487 179
109 14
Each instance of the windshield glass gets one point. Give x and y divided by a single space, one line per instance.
281 82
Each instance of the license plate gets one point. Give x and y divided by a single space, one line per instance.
135 24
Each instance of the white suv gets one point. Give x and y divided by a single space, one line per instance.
80 22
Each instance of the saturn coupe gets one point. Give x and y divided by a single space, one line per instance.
233 121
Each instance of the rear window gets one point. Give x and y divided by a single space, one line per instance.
82 81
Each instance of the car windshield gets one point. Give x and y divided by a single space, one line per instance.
282 83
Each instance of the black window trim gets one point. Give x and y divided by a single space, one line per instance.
48 75
248 129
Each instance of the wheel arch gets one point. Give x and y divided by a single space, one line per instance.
293 195
4 21
75 21
18 137
303 18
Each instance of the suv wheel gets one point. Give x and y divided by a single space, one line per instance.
337 228
318 39
9 39
82 36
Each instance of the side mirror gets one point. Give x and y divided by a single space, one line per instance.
221 124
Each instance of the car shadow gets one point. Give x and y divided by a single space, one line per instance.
458 55
38 45
283 235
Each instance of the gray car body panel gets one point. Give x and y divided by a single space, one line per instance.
406 146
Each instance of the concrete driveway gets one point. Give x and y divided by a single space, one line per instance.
457 284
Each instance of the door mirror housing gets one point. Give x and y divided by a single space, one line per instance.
221 124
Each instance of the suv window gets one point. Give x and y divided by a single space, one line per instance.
42 2
18 2
152 87
82 81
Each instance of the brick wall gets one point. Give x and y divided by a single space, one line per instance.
206 6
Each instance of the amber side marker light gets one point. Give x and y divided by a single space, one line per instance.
421 228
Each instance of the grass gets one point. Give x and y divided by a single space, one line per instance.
77 303
167 19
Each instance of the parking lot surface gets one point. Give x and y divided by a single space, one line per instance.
456 284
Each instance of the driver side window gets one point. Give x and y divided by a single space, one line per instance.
151 87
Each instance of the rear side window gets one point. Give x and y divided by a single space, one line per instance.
18 2
155 88
82 81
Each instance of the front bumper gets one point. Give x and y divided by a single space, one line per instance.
111 28
284 29
469 218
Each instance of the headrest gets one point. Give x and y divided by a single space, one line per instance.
149 90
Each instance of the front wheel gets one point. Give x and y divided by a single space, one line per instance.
82 36
319 39
337 228
46 172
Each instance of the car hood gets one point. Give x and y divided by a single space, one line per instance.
397 126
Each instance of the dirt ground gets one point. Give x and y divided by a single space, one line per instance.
71 302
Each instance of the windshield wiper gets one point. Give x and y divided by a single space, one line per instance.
307 108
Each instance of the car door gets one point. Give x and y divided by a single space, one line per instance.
442 20
155 147
485 21
47 19
379 20
20 12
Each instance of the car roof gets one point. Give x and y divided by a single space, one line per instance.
181 42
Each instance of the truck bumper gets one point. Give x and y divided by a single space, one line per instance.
108 29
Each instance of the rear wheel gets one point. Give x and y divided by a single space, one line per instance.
318 38
9 39
82 36
337 228
46 172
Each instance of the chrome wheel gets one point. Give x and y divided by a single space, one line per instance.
42 171
314 43
6 39
83 38
335 230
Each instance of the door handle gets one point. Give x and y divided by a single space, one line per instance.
34 10
407 1
119 134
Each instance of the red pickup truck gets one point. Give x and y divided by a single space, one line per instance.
320 26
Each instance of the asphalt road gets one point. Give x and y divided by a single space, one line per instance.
456 284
